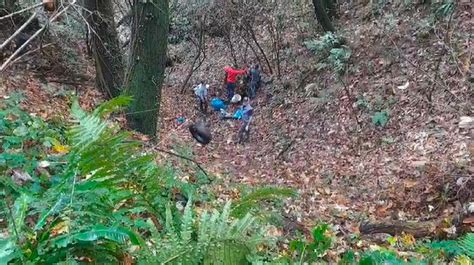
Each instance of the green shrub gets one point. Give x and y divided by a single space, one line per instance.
380 118
332 52
312 251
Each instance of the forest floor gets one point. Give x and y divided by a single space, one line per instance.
345 169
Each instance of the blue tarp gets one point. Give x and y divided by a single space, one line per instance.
238 114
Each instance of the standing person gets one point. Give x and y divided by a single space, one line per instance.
255 79
231 79
244 131
201 94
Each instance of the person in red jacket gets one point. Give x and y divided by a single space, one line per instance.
231 79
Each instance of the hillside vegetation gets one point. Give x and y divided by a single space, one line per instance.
360 149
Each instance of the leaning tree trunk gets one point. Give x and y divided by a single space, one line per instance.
330 8
105 46
322 16
147 63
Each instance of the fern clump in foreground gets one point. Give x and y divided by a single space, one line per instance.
104 197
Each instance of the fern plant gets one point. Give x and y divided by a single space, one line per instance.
104 185
312 251
83 211
467 244
253 200
332 51
213 238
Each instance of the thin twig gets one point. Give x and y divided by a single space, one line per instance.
183 157
18 31
21 11
201 47
286 148
253 35
349 96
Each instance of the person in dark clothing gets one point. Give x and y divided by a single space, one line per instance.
19 40
255 80
244 131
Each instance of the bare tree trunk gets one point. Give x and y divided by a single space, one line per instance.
322 16
330 6
200 50
253 50
145 76
231 46
105 46
254 38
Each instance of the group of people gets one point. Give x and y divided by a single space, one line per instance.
252 82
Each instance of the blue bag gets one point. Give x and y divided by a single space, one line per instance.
218 104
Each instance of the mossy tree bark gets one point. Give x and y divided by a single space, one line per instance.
105 46
322 15
147 63
331 8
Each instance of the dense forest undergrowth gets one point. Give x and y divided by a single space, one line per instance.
365 125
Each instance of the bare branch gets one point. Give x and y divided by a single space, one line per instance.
201 49
5 43
183 157
21 11
30 52
37 33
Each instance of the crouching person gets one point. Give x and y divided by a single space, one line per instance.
244 131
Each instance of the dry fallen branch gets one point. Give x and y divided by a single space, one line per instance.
417 229
30 52
183 157
434 228
36 34
20 11
5 43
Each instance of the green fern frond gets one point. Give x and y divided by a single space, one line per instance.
218 238
467 243
101 152
20 211
253 199
88 130
115 234
57 207
187 223
8 251
112 105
